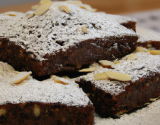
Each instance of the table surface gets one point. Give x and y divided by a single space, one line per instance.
109 6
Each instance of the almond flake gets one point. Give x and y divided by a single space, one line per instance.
101 76
31 15
43 7
87 70
106 63
20 77
74 2
118 76
65 9
35 7
6 67
88 7
84 29
36 110
132 56
2 111
95 65
59 81
154 52
141 49
10 14
116 62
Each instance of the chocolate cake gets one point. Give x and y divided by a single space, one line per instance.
32 102
148 39
64 37
114 96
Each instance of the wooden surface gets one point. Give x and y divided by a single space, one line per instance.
109 6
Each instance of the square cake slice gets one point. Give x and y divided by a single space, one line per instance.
62 37
113 93
56 101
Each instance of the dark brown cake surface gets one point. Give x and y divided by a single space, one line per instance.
113 97
58 41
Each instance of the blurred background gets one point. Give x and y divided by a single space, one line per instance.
147 12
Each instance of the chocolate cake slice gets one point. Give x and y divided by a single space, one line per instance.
65 37
116 93
48 102
148 38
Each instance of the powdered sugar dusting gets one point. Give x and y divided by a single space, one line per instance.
135 68
40 34
31 90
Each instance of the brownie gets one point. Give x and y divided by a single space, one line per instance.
56 40
113 97
148 39
32 102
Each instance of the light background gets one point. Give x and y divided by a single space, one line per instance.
14 2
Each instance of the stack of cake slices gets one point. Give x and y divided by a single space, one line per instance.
60 37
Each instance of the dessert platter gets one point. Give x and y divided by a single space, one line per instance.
62 63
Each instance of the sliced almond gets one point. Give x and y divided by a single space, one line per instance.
43 7
106 63
154 52
84 29
100 76
35 7
75 2
31 15
132 56
10 14
20 77
88 7
95 65
87 70
36 110
2 111
141 49
116 62
118 76
65 9
57 80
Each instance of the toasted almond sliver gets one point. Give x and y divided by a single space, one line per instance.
141 49
43 7
65 9
88 7
87 70
100 76
10 14
31 15
118 76
20 77
154 52
35 7
36 110
84 29
74 2
132 56
106 63
2 111
60 81
116 62
95 65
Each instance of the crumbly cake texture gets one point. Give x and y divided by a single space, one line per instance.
111 97
148 38
43 102
44 39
